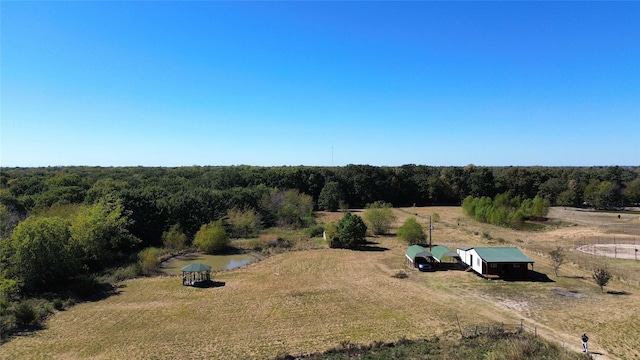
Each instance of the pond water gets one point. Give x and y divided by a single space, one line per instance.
217 262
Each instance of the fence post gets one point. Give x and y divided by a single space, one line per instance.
521 327
460 327
535 329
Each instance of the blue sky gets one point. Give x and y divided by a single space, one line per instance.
319 83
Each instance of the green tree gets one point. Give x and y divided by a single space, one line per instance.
379 217
351 231
568 197
599 194
9 289
100 234
174 238
212 238
411 232
12 211
244 223
557 259
552 188
6 225
39 254
602 277
63 188
330 196
632 192
289 208
103 188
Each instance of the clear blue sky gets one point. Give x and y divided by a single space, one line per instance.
319 83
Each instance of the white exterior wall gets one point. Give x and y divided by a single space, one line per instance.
467 255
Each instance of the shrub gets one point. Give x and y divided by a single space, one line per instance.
411 232
315 231
58 304
174 238
149 260
400 275
244 223
7 325
24 313
123 273
380 217
212 238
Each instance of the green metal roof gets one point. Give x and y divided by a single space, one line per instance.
440 252
196 267
416 250
502 254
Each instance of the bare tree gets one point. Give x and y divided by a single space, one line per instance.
557 259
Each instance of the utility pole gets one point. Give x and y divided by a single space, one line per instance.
430 228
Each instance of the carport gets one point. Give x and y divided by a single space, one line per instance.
446 258
417 254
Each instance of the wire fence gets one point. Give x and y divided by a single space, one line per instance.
495 329
617 247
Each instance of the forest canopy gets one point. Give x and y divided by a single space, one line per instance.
155 198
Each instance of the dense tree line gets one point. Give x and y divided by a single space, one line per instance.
157 198
504 210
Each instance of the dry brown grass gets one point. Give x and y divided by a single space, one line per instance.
307 301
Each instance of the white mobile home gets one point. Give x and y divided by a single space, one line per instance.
496 262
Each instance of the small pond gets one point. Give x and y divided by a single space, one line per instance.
217 262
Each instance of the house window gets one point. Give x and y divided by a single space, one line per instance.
515 266
493 265
478 261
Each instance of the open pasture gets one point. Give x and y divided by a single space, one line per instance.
308 301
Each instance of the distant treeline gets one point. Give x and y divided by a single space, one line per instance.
158 197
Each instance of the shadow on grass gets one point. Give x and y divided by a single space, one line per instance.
613 292
21 331
370 246
102 292
532 276
209 284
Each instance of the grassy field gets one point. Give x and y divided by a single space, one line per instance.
309 301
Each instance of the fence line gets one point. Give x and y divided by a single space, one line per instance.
610 246
495 329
